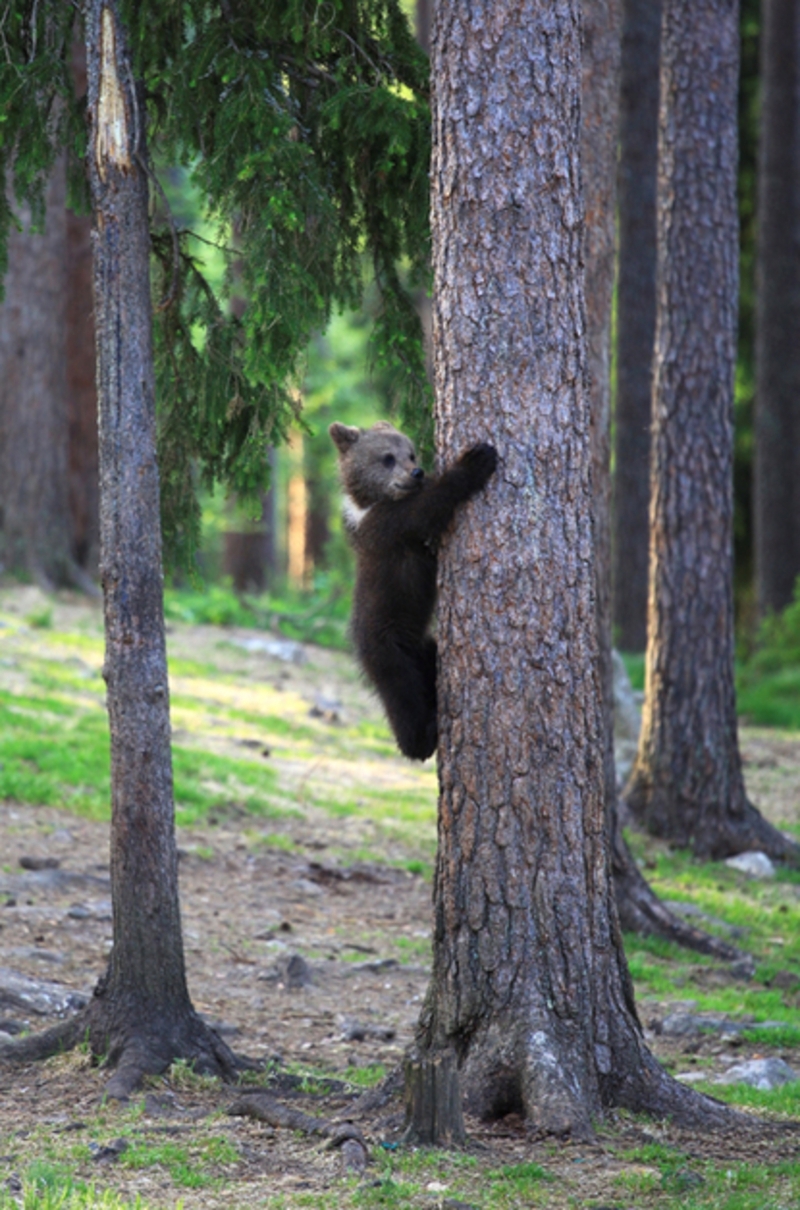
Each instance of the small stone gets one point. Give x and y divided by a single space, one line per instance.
39 863
294 972
110 1152
753 864
763 1074
785 980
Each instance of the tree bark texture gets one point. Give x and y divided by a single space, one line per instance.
141 1016
84 503
36 538
530 986
687 782
638 906
777 417
636 311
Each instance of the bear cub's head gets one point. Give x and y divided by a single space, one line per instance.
376 464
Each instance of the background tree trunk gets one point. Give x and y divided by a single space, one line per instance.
34 487
777 420
638 906
530 987
687 782
84 503
140 1016
636 314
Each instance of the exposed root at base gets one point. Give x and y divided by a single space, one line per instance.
133 1057
339 1133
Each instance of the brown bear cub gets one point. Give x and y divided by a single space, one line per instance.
395 517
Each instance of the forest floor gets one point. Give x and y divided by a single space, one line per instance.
306 851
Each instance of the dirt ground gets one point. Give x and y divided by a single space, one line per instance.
299 957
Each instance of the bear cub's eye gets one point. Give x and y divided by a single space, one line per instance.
388 460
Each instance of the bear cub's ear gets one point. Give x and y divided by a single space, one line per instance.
344 436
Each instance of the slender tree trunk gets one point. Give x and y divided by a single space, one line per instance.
636 313
84 505
687 782
777 426
36 538
530 991
638 906
141 1016
84 508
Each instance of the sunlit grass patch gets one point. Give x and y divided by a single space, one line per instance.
194 1165
783 1100
54 754
45 1187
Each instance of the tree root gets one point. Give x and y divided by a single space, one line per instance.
642 912
652 1091
342 1134
725 833
54 1041
132 1053
751 831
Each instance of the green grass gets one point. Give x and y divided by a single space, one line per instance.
49 1185
54 750
319 615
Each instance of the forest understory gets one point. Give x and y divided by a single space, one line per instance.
306 910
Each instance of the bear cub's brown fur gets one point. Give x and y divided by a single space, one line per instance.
395 517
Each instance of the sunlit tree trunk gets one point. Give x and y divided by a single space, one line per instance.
687 782
639 908
530 1005
777 418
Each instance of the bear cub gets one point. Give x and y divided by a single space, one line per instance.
395 517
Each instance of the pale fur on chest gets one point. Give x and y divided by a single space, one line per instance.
353 514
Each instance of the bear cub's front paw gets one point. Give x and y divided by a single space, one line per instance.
480 460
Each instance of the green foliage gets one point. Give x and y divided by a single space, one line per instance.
304 128
307 129
318 615
38 112
768 683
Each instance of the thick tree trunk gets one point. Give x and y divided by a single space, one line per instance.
530 988
636 312
777 422
36 538
638 906
141 1016
687 782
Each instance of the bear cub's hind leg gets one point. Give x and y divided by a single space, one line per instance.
406 682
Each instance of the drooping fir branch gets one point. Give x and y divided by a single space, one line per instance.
306 126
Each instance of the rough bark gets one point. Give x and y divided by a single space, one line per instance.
636 310
84 508
141 1017
638 906
530 986
34 488
687 783
777 418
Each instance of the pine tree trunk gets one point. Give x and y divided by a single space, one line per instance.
636 311
638 906
530 987
777 423
36 538
687 782
140 1016
84 506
